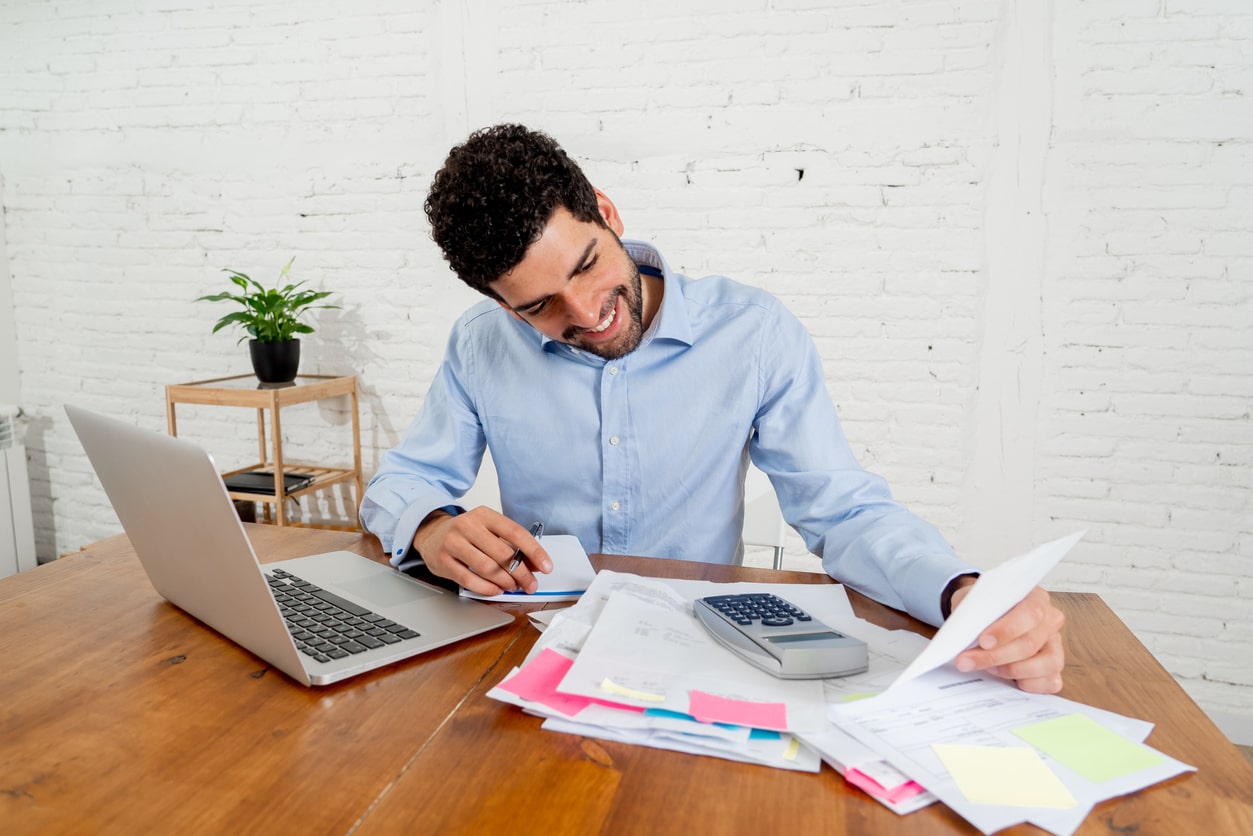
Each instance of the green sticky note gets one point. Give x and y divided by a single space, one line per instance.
1087 747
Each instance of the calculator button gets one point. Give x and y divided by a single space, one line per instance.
776 621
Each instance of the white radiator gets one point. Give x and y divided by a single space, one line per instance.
17 530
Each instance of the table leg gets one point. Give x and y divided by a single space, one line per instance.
262 447
356 451
280 494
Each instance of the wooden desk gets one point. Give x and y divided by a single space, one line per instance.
119 714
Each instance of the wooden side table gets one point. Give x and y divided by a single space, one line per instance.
247 391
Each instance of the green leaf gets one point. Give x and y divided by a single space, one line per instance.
230 319
268 314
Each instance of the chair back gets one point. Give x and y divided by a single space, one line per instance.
763 518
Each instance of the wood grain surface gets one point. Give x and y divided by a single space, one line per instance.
121 714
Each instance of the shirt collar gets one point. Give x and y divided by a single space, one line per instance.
670 323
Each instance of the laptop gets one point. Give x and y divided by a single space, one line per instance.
319 619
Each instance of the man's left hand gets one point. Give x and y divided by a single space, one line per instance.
1025 644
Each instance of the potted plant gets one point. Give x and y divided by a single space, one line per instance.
271 316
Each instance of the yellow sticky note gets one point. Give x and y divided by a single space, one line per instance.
1087 747
622 691
1007 775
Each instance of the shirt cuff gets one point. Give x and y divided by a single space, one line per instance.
403 553
926 585
946 597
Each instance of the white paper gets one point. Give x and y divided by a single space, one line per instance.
995 593
843 751
571 575
881 735
540 619
782 752
655 657
568 631
945 706
570 628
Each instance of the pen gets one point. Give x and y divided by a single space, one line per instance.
536 530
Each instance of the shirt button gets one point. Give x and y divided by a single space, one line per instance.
613 370
613 441
614 506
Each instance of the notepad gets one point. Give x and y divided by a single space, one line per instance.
571 575
262 481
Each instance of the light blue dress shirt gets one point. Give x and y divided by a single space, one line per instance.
646 454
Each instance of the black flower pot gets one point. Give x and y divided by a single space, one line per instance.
275 362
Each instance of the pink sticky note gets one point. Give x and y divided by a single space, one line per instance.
897 794
709 708
538 679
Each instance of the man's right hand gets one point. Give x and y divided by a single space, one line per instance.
475 550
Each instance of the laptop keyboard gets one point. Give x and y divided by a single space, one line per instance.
326 626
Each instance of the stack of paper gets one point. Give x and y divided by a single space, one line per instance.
630 662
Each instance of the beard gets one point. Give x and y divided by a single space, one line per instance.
632 332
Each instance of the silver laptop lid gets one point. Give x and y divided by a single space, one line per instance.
169 497
176 510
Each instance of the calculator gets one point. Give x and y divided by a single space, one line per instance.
779 637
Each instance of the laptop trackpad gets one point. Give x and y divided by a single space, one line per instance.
386 590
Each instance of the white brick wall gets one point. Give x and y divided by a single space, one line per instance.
1018 232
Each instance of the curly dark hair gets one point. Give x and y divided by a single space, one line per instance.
494 195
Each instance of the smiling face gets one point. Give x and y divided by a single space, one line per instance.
577 285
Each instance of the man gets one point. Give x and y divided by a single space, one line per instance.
621 402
